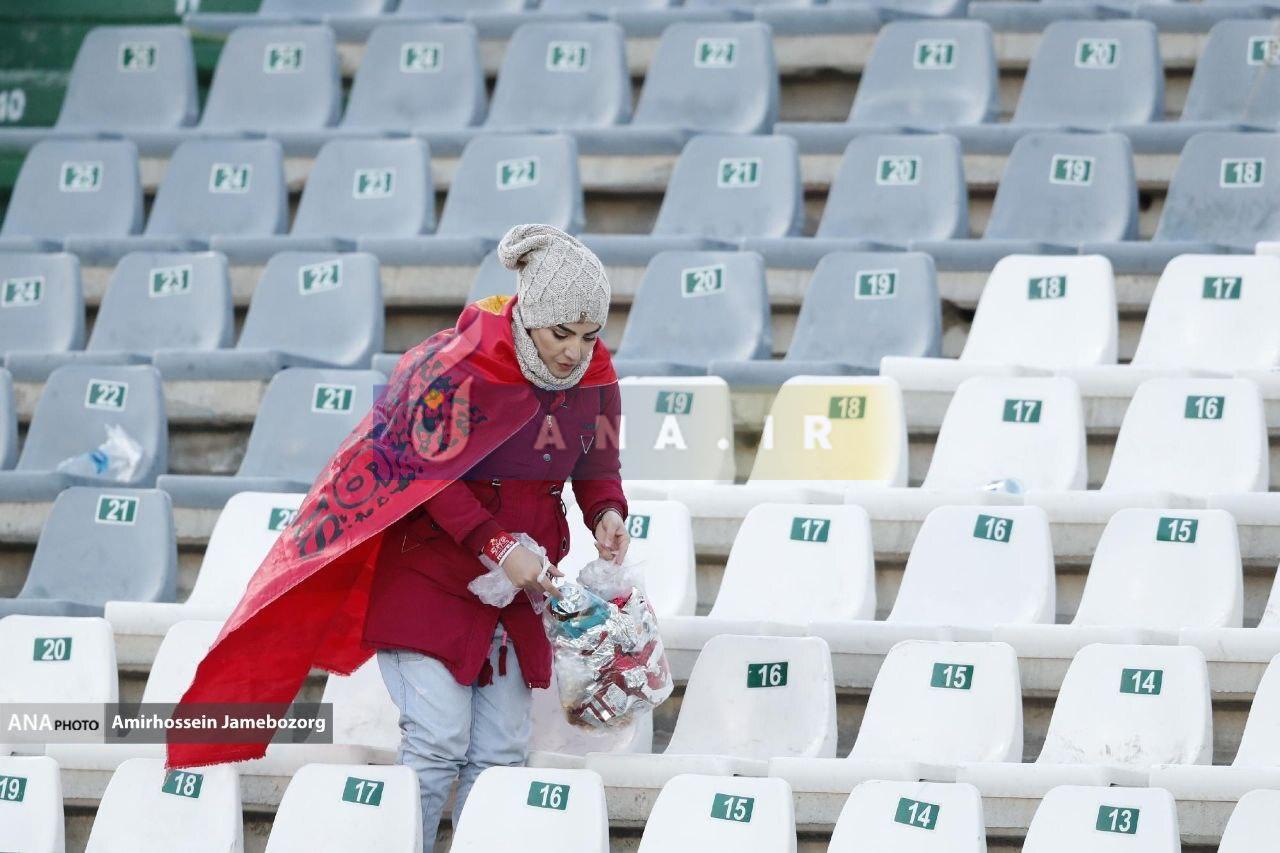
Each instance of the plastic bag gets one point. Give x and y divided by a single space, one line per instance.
116 459
496 589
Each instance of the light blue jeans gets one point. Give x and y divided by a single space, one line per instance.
449 731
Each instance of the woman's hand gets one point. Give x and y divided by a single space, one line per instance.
612 539
524 569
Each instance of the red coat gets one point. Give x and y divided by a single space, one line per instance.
419 599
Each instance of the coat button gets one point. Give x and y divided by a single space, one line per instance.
546 457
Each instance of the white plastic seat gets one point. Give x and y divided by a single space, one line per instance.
548 810
827 555
1241 645
1154 572
739 690
1122 709
1072 818
934 705
31 818
147 809
911 817
1036 313
679 431
1254 823
349 807
554 742
970 569
695 814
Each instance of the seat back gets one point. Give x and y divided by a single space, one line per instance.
1192 437
713 77
930 74
1025 429
41 303
831 574
246 529
1224 190
180 652
360 187
492 279
506 180
81 187
339 294
1048 311
721 812
272 78
31 816
8 422
1237 76
1254 821
1067 188
222 186
1094 74
729 187
131 78
699 307
363 712
165 300
1104 820
1260 743
148 809
978 567
674 428
1132 707
911 817
548 809
327 806
896 189
739 689
974 687
313 9
57 659
458 8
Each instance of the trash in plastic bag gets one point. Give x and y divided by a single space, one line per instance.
496 589
117 458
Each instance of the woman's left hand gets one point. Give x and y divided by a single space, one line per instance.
612 538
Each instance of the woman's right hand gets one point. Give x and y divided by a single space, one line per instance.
524 568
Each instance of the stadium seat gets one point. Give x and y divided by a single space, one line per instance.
889 191
493 19
1196 18
1104 820
31 817
75 187
695 813
492 279
341 807
921 75
697 307
147 809
548 810
728 725
1233 86
98 545
831 578
155 301
1015 16
1122 709
1035 314
245 530
723 189
338 294
378 187
275 79
57 659
893 309
304 416
1221 199
502 180
71 417
703 78
8 422
973 687
1253 823
1238 646
679 429
42 303
349 17
555 742
424 79
911 817
1058 190
211 187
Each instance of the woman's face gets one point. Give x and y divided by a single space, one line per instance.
562 347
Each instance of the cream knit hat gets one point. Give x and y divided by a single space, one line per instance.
560 280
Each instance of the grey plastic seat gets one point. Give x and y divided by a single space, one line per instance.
1201 17
892 308
350 17
699 307
1233 87
1018 16
304 416
211 187
889 191
78 402
154 301
309 308
100 545
703 78
492 279
1058 190
723 189
41 303
922 75
73 187
491 18
356 187
8 422
502 180
1222 198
